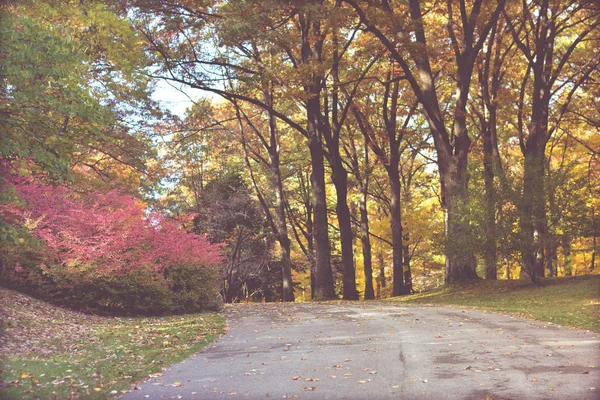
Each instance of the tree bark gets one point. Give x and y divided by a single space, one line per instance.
550 258
340 181
312 42
366 247
398 287
460 259
283 238
324 288
381 283
490 247
406 263
593 262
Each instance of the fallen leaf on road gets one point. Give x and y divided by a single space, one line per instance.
310 389
296 378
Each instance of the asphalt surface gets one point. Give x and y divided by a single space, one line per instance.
381 351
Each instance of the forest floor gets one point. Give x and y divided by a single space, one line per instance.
49 352
568 301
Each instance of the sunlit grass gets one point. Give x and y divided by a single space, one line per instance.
572 301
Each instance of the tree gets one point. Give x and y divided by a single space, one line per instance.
388 23
554 70
67 74
278 222
386 146
229 215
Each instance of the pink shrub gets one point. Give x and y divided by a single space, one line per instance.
109 239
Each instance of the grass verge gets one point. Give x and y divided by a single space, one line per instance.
52 353
569 301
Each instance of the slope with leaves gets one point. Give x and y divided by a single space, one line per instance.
50 352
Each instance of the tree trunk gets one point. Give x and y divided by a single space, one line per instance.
324 288
550 256
381 278
460 259
593 262
340 181
287 290
398 287
533 213
407 273
366 246
490 247
311 247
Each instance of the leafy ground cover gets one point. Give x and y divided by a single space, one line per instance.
51 353
569 301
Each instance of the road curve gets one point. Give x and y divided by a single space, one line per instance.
382 351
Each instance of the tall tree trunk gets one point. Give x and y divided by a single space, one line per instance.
366 249
340 181
286 267
366 245
490 246
324 288
311 249
593 262
381 283
363 185
398 287
528 238
532 211
312 42
287 292
460 259
550 255
406 262
339 176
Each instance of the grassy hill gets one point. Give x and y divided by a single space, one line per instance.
569 301
52 353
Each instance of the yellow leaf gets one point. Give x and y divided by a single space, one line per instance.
97 389
177 384
24 375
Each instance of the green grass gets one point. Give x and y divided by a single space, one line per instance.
573 301
59 354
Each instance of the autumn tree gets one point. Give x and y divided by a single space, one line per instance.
551 36
403 30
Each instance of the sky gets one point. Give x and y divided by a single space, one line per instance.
176 97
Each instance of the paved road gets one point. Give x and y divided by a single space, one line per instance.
379 351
